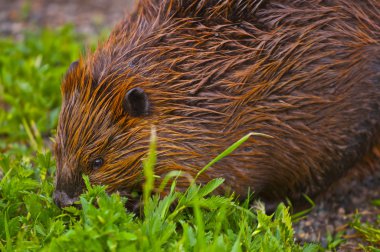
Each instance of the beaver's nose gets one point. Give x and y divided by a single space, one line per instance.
61 199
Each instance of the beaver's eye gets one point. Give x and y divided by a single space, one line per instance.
97 163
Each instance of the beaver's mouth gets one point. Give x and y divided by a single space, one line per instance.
61 199
134 201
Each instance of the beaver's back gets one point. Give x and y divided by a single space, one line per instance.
306 73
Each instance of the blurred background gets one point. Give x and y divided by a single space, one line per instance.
89 17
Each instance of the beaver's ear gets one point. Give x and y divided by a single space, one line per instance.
72 67
69 82
136 103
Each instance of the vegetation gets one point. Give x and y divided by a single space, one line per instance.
30 73
369 231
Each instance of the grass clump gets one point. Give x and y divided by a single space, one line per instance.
370 232
197 222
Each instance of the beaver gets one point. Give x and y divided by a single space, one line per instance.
207 72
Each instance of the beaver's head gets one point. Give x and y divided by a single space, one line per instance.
99 124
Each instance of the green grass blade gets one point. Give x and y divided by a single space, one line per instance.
148 166
229 150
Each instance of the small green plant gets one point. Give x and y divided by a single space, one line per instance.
333 241
370 232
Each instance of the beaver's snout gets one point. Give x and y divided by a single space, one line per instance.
61 199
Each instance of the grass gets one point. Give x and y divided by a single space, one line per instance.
369 231
194 220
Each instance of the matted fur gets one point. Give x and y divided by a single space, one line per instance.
306 72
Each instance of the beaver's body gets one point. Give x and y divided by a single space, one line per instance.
207 72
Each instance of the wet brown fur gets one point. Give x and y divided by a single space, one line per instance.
306 72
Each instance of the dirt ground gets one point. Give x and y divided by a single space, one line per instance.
88 16
331 215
